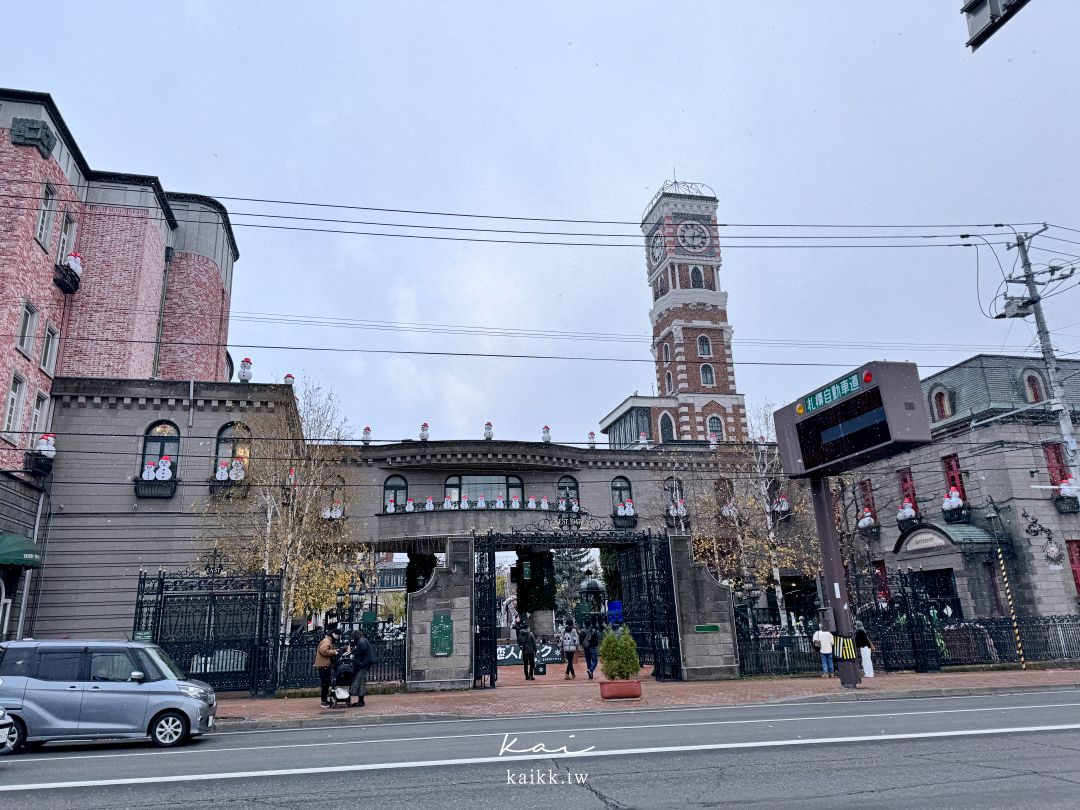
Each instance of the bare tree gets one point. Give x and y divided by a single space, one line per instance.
287 512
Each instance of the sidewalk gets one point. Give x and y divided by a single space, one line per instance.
552 695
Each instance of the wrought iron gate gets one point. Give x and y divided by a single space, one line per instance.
220 629
649 605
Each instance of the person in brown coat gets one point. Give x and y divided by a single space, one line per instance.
324 664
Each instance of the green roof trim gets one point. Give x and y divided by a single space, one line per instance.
959 534
18 550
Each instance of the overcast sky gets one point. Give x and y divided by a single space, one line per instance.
794 113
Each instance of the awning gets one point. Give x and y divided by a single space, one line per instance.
931 536
18 550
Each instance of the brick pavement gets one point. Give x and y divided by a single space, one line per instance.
550 694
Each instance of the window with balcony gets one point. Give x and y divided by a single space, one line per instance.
67 238
396 489
233 444
490 486
953 475
38 418
568 488
621 492
866 497
161 443
907 486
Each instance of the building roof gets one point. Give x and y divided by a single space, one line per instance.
635 401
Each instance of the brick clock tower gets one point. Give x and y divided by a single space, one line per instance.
691 337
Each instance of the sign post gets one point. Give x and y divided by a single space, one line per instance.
873 412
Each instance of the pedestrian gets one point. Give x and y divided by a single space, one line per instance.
569 647
866 648
324 664
363 656
528 651
590 641
823 643
516 627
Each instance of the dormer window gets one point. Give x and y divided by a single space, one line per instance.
941 404
1034 391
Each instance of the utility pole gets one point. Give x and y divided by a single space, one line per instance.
1058 403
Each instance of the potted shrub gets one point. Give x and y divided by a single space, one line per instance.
620 664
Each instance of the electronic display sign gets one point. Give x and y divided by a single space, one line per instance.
873 412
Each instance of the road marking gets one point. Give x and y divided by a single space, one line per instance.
437 763
332 743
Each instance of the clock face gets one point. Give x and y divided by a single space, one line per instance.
657 247
693 236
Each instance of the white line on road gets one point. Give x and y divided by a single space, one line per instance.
436 763
331 743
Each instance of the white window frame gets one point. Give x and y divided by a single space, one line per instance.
67 237
43 231
708 345
50 350
39 417
712 373
12 424
25 339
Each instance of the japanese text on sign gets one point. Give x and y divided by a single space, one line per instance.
831 393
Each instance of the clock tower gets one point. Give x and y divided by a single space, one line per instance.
691 337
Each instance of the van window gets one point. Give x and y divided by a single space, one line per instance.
110 665
59 665
20 662
147 666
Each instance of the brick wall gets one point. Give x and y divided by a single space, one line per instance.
196 312
26 273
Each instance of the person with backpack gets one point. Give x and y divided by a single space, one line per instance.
590 643
569 647
363 655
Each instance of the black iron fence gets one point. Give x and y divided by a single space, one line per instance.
297 668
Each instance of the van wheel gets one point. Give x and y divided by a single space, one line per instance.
169 729
15 740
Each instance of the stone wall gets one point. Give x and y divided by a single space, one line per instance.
703 602
450 589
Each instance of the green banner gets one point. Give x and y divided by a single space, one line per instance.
442 633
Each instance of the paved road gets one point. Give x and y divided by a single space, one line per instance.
978 752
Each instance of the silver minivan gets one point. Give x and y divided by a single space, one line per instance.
92 690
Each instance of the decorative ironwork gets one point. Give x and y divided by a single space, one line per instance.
1067 505
227 489
298 656
155 489
624 521
1053 553
66 279
959 515
907 524
870 533
37 465
563 522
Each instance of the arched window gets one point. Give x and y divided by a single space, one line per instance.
568 487
1033 387
940 404
674 489
697 281
667 382
667 428
334 505
396 489
716 426
514 486
663 287
621 492
452 488
233 444
704 346
161 439
667 353
707 376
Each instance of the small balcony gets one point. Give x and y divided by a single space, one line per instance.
905 525
227 489
155 489
959 515
37 465
1067 505
870 533
624 521
66 279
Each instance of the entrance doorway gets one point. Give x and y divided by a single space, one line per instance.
648 592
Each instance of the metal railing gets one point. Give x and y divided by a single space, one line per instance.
297 661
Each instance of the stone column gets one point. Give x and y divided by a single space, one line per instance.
706 618
449 592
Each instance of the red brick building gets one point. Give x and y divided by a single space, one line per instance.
153 298
695 379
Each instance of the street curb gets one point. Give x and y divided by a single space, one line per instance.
907 694
350 719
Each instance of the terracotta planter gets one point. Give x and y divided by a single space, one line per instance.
620 690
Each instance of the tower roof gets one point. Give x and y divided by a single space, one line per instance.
679 188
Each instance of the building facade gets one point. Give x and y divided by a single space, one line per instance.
691 337
996 440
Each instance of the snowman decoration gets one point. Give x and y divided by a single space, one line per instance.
447 503
544 503
336 510
952 500
481 502
236 471
680 508
391 507
643 441
532 501
545 434
424 433
429 504
629 508
714 442
222 473
867 520
574 507
728 510
592 440
783 506
515 503
289 379
164 469
489 431
409 507
1069 488
906 510
46 445
73 262
562 504
620 510
365 437
325 512
464 501
245 370
499 502
148 473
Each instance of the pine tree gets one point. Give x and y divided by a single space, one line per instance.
570 566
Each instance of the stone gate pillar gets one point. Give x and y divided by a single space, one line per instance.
706 617
443 607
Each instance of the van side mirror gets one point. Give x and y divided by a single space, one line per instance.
137 676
